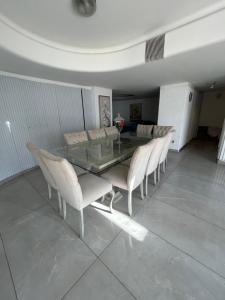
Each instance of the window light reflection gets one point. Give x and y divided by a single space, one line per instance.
123 221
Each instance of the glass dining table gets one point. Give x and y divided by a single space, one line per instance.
96 156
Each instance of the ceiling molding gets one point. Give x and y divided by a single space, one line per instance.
33 51
42 80
148 35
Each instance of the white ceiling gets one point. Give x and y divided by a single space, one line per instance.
199 67
115 23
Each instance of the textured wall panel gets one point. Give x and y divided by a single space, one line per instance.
70 109
8 156
35 112
89 109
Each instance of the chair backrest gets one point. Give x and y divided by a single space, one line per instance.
35 151
111 131
155 155
138 165
75 137
65 178
95 134
159 131
168 139
144 130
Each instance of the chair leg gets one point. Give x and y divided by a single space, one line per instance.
166 161
164 166
146 185
155 177
49 192
158 173
64 208
81 224
60 202
111 202
142 190
103 199
130 202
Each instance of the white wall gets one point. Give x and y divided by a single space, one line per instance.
176 110
149 108
213 109
37 112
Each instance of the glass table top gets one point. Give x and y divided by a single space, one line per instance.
98 155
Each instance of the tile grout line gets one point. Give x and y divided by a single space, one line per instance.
223 277
81 276
188 213
6 257
201 179
188 175
64 224
117 278
186 253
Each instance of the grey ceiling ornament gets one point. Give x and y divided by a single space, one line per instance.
85 8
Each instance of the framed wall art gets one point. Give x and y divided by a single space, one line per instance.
135 112
104 111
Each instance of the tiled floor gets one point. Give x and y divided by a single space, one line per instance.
173 248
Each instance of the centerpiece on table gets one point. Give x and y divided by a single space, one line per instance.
119 123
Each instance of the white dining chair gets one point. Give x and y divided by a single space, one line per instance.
111 131
129 178
97 133
35 151
160 131
163 157
144 130
78 192
75 137
153 162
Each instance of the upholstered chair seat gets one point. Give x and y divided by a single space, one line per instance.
126 162
79 171
75 137
95 134
144 130
78 192
118 176
111 131
93 187
129 178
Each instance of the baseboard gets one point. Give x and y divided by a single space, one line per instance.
10 178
